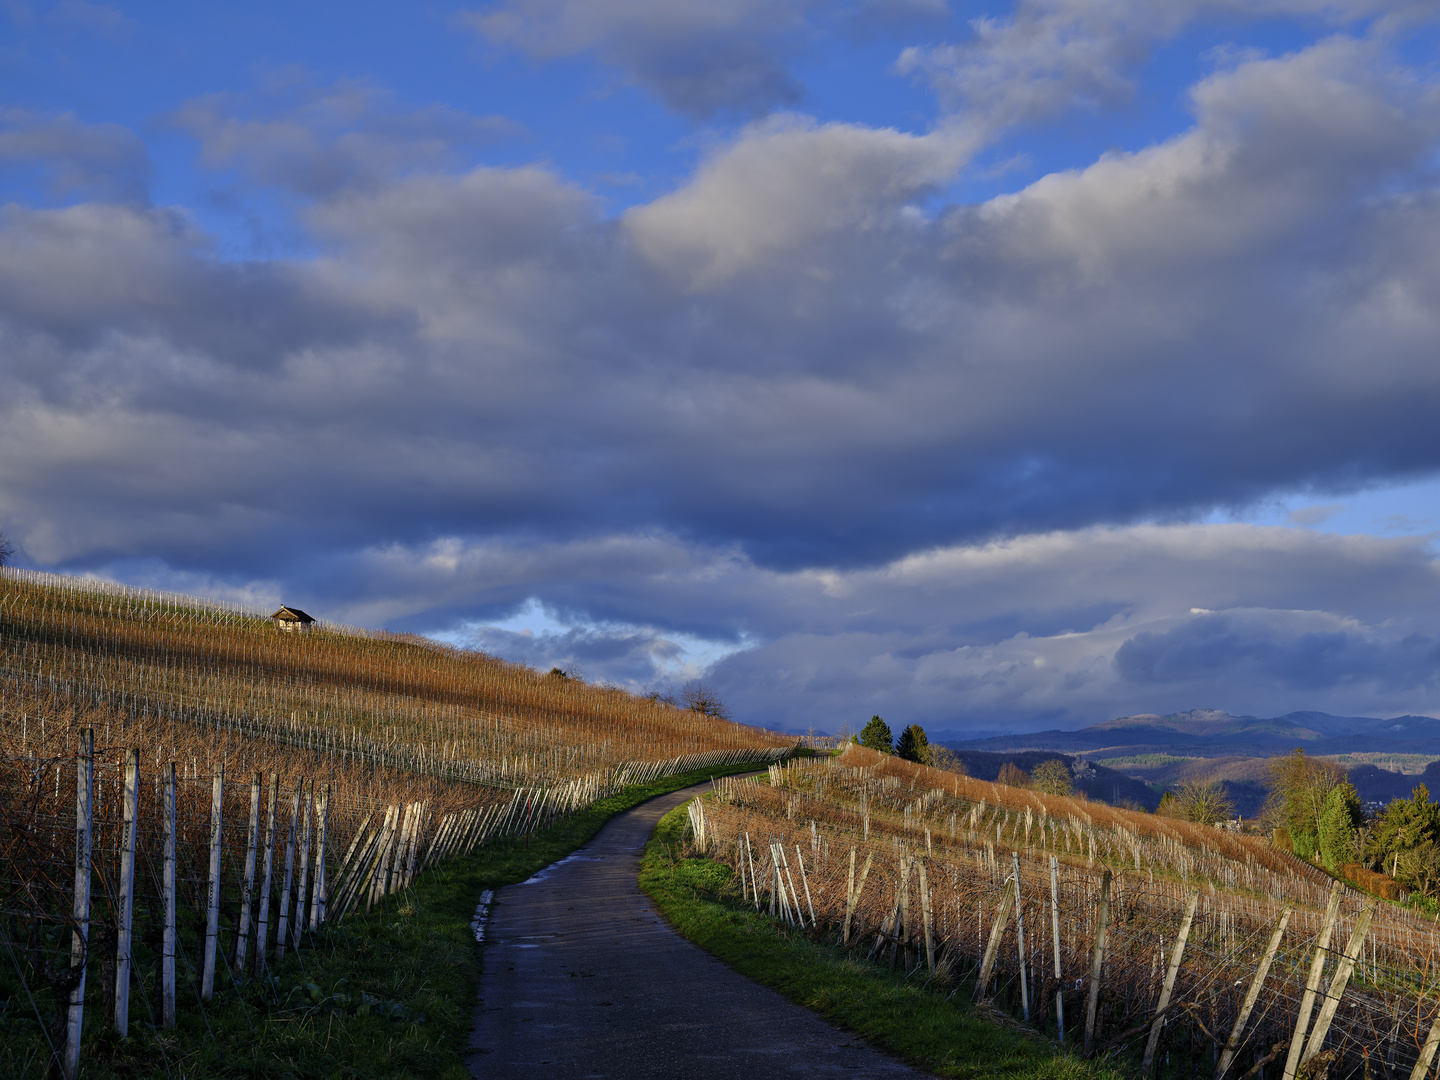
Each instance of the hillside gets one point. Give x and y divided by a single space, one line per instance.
192 791
1015 898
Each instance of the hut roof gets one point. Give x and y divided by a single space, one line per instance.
292 614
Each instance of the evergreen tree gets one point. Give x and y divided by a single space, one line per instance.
1405 831
876 735
1338 821
913 745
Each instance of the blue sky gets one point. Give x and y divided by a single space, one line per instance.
985 366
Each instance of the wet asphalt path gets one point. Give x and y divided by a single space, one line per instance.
582 978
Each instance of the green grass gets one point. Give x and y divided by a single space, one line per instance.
935 1030
383 994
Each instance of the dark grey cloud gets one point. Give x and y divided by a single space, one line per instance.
1307 652
785 355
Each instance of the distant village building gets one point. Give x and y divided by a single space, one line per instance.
292 619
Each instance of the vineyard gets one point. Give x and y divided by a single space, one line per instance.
1182 949
187 792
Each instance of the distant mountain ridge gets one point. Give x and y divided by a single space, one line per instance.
1213 733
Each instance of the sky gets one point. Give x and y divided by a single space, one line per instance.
989 367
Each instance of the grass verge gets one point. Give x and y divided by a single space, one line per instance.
932 1030
383 994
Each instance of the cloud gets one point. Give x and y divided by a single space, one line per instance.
699 57
1051 56
1311 652
790 185
316 140
1065 628
877 448
71 159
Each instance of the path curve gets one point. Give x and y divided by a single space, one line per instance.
581 977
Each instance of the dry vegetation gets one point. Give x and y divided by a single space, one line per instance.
392 749
967 836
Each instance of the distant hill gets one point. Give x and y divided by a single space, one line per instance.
1155 752
1096 781
1212 733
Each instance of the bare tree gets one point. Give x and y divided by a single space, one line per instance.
7 549
1203 801
701 697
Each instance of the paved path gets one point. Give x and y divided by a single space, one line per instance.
582 978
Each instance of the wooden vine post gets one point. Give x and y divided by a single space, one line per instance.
303 862
1232 1044
1317 969
1427 1053
252 840
1055 930
856 888
1020 937
126 913
992 947
1169 985
167 933
317 893
212 908
926 915
80 912
1102 924
283 924
262 918
1338 982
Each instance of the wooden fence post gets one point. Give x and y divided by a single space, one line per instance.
127 892
992 947
1317 969
262 918
1232 1044
252 840
1055 930
167 934
212 910
1102 924
80 939
1338 982
1171 972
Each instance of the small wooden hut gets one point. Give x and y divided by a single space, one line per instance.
292 620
